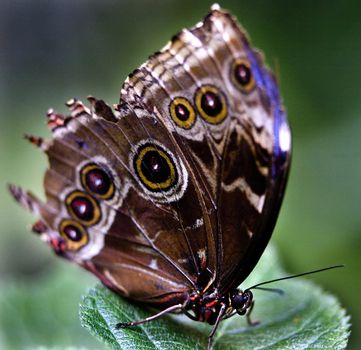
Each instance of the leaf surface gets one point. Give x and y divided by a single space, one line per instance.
305 317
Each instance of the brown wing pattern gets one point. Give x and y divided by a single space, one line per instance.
177 188
233 159
139 243
146 240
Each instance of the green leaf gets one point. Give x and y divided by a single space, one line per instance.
305 317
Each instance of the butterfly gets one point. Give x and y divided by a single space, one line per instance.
171 196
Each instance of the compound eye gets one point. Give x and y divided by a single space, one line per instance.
242 300
155 168
182 112
97 181
211 104
242 75
74 234
83 207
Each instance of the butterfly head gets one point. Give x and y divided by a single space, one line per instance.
241 301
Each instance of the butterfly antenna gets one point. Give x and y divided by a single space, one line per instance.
294 276
273 290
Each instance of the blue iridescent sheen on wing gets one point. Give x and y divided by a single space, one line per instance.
266 81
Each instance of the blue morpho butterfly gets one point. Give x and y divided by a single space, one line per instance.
171 197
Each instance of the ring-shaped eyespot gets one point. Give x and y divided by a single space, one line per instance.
242 76
182 112
97 181
211 104
74 234
155 168
83 207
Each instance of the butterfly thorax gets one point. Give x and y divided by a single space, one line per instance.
209 306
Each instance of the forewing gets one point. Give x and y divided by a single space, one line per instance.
240 159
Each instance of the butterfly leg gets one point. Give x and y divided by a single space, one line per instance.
219 318
248 316
150 318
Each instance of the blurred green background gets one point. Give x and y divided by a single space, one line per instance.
53 50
